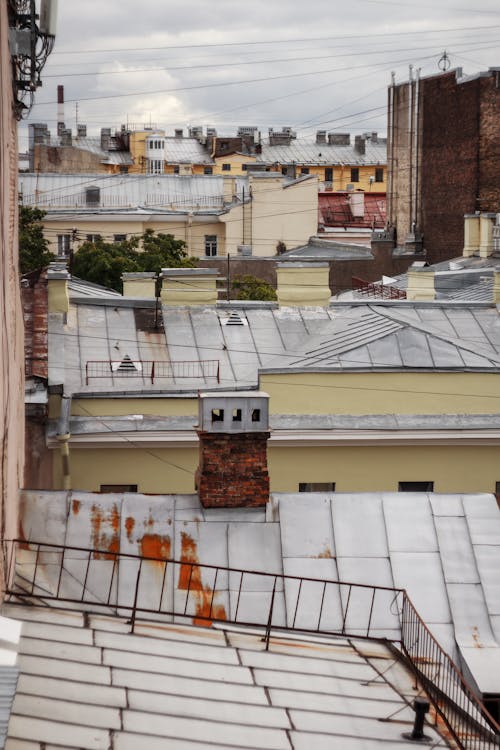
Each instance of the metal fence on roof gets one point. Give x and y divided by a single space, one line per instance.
161 586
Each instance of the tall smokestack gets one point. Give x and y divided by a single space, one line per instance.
60 110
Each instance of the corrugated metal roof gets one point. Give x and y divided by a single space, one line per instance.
308 152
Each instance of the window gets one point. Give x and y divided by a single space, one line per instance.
416 487
208 170
255 415
118 488
63 244
176 169
244 167
119 237
284 170
93 237
304 170
210 245
217 415
92 196
236 415
316 486
379 174
123 169
328 174
226 167
155 166
354 174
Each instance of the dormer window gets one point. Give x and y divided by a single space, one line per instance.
93 196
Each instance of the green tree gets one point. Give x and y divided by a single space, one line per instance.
250 287
104 262
34 250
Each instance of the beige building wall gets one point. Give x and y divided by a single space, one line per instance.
69 160
11 317
353 468
236 162
282 213
358 463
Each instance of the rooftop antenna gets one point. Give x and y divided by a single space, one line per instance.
444 63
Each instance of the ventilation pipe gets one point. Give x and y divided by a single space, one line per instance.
63 436
60 110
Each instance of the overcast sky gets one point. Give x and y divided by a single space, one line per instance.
311 64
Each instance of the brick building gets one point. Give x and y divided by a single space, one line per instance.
443 157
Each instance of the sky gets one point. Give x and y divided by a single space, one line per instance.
309 64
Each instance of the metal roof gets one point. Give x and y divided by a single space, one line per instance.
343 337
52 191
87 682
186 151
92 144
308 152
443 549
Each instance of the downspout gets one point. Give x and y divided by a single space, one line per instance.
390 212
63 436
410 143
417 144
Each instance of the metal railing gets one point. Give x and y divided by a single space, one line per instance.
153 370
166 588
454 700
376 290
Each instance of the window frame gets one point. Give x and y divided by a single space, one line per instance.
354 174
210 243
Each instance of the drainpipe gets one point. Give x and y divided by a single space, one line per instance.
63 436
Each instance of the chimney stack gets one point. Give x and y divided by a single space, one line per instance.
60 110
359 144
321 136
233 431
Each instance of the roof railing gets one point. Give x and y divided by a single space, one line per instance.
166 588
376 290
153 370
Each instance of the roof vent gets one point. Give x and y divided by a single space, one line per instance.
126 365
235 319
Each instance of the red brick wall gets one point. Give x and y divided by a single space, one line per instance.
450 162
233 470
489 143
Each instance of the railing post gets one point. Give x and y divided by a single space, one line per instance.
152 372
270 618
136 593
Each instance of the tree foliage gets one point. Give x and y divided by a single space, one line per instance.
250 287
34 250
104 262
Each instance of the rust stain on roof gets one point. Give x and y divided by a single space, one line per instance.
129 527
75 506
206 606
155 545
105 531
327 553
476 637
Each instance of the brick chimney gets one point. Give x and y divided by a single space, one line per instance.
233 431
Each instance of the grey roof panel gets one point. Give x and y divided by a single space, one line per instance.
414 349
368 538
421 574
470 615
457 556
301 518
409 523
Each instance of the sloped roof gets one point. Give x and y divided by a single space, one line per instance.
443 549
90 683
308 152
344 337
186 151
